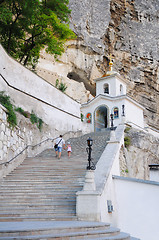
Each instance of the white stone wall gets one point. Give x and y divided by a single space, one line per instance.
25 136
137 207
31 92
12 142
60 113
114 82
92 204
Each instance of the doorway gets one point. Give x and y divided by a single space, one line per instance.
101 118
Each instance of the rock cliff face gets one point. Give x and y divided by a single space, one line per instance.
142 151
127 29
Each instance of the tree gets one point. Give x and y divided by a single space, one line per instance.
27 26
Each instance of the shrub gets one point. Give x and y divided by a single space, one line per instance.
40 122
82 117
127 141
127 129
20 110
11 116
35 119
61 86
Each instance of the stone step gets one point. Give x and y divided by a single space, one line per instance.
96 234
65 230
39 218
34 186
37 214
46 227
37 194
37 203
132 238
27 191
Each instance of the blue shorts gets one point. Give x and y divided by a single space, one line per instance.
59 149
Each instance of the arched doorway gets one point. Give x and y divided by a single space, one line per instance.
100 118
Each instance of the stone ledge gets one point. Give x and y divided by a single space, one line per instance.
135 180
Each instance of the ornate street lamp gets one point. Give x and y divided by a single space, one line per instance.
123 110
112 124
90 165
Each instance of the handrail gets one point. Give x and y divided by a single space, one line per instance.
40 100
5 163
32 146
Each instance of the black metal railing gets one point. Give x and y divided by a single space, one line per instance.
32 146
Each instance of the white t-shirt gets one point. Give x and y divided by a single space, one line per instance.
60 143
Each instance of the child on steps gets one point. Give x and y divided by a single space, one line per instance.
69 150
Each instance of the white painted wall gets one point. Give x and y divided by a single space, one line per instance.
92 205
31 92
154 175
107 166
107 102
138 208
134 114
114 82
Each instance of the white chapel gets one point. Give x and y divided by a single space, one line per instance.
111 98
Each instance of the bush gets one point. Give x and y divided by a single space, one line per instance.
127 141
35 119
11 116
21 111
82 117
40 122
61 86
127 129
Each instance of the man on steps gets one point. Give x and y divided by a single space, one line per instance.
59 143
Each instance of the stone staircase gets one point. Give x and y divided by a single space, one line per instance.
38 199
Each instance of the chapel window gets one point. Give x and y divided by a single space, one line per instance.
106 88
121 89
116 112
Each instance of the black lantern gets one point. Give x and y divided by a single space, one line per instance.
123 110
89 142
112 124
90 165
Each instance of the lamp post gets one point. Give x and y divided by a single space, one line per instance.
90 165
123 110
112 124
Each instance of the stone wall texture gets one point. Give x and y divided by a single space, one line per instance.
11 140
127 29
143 150
14 140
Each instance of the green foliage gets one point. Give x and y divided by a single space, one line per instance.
125 171
40 122
11 116
21 111
82 117
27 26
34 119
127 129
61 86
127 141
57 83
